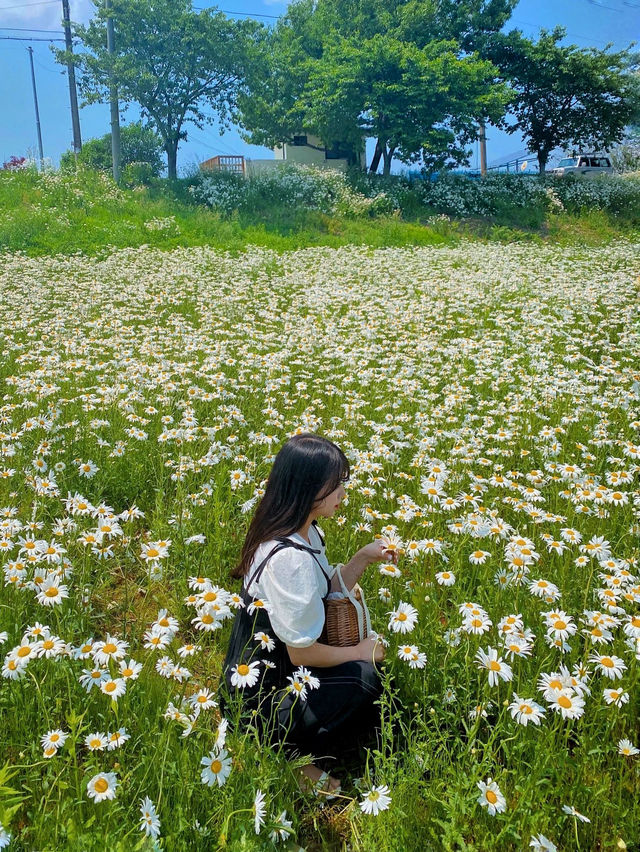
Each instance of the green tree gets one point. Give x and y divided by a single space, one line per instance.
174 62
402 71
139 144
565 96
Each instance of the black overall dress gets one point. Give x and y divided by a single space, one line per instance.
330 716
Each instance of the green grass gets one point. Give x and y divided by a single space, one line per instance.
56 214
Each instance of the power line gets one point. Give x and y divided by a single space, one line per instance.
229 12
212 148
602 6
24 5
572 35
613 8
23 38
28 30
50 70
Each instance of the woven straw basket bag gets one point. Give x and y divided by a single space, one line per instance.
347 619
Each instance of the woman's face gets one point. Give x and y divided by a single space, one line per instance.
328 506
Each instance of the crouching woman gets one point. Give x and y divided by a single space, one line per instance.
310 697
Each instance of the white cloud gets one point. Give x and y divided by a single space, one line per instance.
45 15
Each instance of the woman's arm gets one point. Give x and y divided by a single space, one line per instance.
353 570
330 655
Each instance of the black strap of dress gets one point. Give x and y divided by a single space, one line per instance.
282 544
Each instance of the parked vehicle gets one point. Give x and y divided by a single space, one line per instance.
589 165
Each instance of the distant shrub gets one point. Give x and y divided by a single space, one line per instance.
294 186
524 200
14 163
503 195
138 145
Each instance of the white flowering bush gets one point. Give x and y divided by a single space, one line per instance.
296 187
610 193
497 194
358 194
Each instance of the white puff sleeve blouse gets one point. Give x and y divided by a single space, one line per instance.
292 587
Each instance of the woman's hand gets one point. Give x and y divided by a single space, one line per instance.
377 551
370 649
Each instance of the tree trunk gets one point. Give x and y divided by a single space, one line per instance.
388 156
377 154
171 148
543 156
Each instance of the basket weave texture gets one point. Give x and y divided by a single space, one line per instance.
341 621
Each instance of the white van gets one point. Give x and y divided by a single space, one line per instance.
589 165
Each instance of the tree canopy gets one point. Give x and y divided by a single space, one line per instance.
406 72
170 60
139 144
564 95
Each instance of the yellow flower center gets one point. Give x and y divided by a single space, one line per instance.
607 661
109 687
565 702
216 766
494 666
24 651
491 797
402 616
560 624
243 669
127 672
101 786
52 592
152 552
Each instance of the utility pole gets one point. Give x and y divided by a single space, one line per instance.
483 149
113 100
35 100
71 73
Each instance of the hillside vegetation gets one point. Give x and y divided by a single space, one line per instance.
86 212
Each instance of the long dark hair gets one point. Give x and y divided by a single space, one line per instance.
305 471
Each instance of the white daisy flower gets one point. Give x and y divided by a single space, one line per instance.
376 800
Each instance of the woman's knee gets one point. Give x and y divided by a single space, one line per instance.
368 676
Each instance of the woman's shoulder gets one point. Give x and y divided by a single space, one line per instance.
284 551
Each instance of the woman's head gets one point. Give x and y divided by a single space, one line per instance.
305 480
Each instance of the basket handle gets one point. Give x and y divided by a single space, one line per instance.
364 620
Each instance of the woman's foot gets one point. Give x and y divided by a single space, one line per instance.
319 783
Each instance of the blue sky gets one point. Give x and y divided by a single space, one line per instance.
588 23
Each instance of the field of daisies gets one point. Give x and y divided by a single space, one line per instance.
488 398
